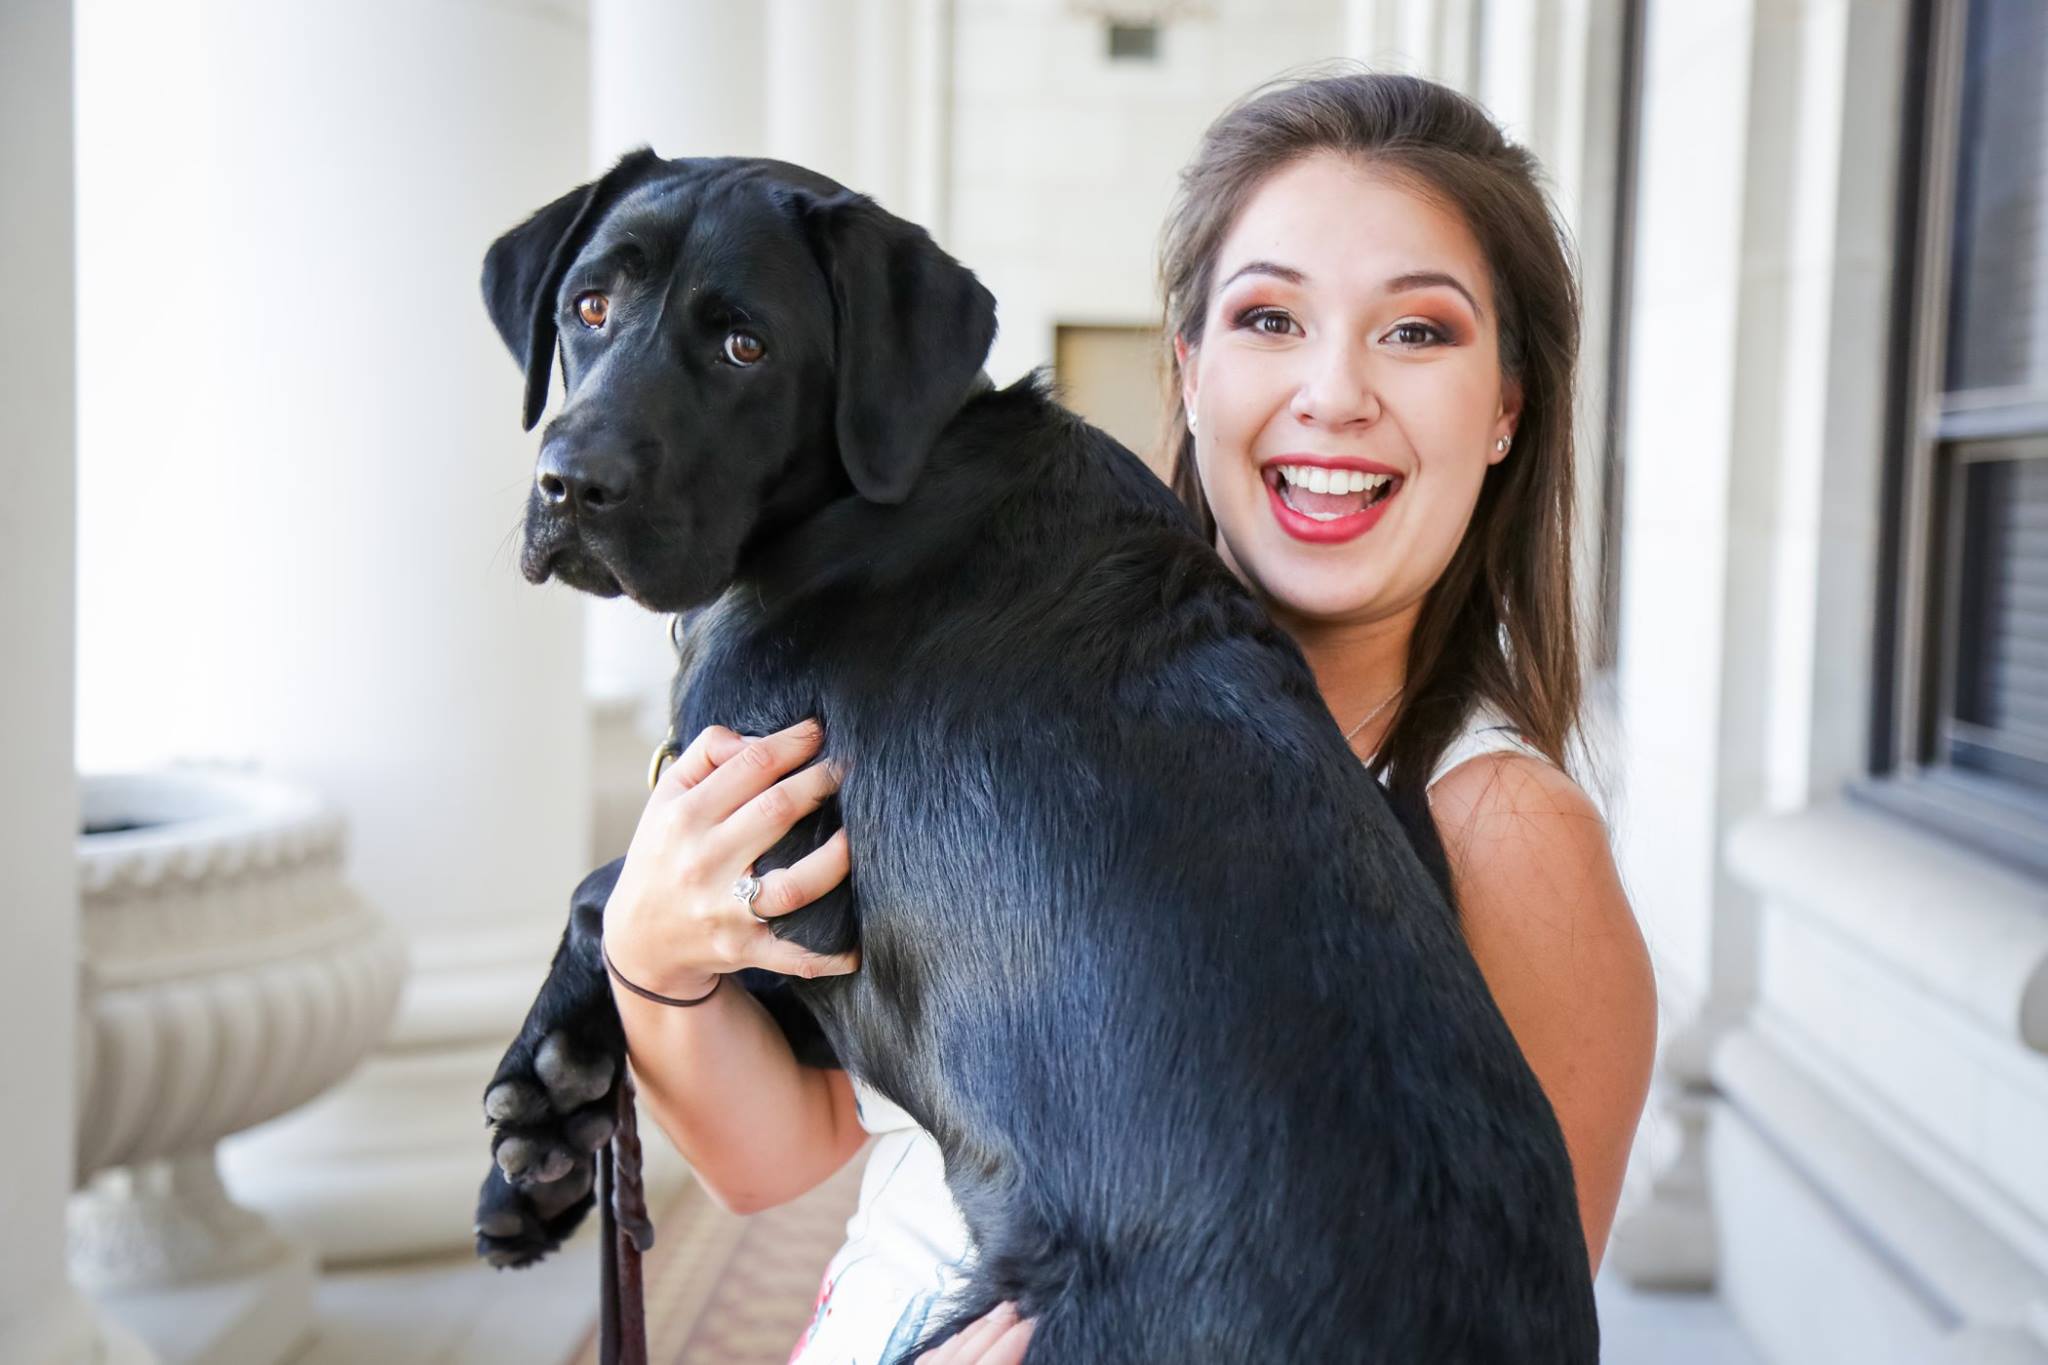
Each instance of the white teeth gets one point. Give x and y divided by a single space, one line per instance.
1317 479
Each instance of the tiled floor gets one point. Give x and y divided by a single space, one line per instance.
1667 1329
725 1290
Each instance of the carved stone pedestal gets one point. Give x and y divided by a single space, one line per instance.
229 975
1669 1243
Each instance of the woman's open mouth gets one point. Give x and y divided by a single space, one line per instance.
1325 503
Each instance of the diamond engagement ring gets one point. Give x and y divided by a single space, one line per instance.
746 891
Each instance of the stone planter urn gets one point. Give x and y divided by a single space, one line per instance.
229 975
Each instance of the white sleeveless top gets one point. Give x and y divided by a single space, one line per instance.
906 1246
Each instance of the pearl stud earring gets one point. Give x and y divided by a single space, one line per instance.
1501 445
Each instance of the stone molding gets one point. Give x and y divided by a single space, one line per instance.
1949 920
229 976
1988 1298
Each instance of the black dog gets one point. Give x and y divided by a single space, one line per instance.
1143 946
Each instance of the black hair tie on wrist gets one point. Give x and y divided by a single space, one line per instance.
646 994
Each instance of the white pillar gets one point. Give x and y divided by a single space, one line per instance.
883 98
42 1318
1703 341
1511 57
1457 40
683 76
1361 25
928 173
302 473
1393 35
811 85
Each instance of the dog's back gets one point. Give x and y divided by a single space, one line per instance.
1215 1076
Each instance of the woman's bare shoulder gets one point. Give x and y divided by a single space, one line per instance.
1530 855
1548 921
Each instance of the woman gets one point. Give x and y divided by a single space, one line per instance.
1373 325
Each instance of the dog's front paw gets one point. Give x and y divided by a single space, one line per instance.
550 1109
518 1225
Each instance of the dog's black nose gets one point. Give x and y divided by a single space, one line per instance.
581 480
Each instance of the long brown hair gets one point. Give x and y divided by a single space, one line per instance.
1498 625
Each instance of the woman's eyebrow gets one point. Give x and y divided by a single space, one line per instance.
1414 279
1427 279
1283 272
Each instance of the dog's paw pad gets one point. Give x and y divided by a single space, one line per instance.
550 1108
573 1077
552 1199
499 1223
516 1227
515 1102
530 1161
590 1130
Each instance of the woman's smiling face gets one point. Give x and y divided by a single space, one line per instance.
1347 392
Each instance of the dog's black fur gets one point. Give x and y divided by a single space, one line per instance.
1143 946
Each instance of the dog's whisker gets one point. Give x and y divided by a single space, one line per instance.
506 541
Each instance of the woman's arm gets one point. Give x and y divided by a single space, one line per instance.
719 1077
721 1081
1545 915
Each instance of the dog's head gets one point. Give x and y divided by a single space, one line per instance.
741 341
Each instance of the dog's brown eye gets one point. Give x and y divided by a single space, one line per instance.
744 348
593 308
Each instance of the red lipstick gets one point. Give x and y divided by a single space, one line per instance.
1306 528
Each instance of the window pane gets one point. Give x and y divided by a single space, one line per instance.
2000 718
1998 332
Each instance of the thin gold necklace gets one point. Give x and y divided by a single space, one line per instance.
1352 733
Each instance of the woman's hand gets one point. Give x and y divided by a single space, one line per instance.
998 1337
672 924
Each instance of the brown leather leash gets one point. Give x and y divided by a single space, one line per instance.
625 1232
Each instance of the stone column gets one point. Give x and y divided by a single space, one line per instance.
883 114
684 76
811 85
1511 81
1694 628
42 1318
928 187
302 474
1393 35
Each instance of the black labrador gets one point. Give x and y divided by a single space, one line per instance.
1143 946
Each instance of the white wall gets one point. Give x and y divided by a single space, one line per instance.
1064 162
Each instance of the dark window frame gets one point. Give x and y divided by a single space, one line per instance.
1621 277
1932 436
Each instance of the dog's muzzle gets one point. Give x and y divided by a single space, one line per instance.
554 547
577 487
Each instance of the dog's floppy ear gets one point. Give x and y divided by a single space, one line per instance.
912 328
524 268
